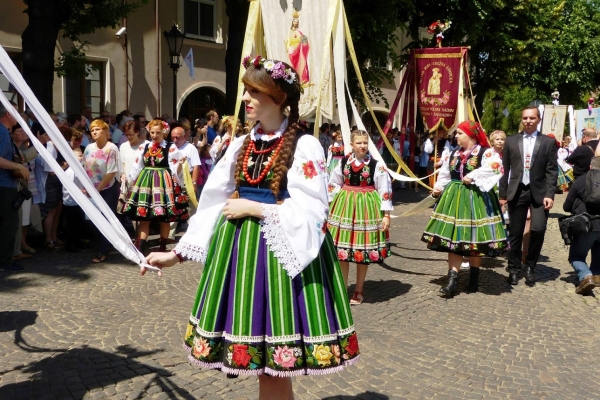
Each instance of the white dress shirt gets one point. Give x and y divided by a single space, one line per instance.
528 146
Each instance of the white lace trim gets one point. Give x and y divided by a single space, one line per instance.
191 252
278 241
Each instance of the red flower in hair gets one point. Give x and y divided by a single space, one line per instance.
257 61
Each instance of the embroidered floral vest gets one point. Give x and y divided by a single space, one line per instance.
361 177
472 162
160 160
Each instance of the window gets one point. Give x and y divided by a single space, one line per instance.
200 18
7 88
86 91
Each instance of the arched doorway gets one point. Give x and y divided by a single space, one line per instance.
200 101
367 119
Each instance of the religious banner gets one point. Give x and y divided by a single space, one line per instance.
298 36
438 72
588 119
554 121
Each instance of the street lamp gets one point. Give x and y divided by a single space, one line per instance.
496 102
175 42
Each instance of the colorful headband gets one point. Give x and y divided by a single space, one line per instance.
276 69
474 130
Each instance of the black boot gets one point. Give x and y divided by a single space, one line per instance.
473 280
163 245
450 289
142 246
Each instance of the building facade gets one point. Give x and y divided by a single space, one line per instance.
131 71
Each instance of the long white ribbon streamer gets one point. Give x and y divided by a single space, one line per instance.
103 217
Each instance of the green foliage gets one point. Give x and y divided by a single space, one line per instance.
514 99
374 25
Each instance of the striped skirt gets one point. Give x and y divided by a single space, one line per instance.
155 196
466 221
335 160
564 178
355 224
250 317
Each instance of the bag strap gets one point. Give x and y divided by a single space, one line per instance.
590 147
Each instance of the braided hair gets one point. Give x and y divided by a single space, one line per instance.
287 95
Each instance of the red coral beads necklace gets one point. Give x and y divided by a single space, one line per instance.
275 149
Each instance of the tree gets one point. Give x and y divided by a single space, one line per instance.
47 18
570 61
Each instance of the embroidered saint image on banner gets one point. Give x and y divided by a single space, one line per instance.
298 48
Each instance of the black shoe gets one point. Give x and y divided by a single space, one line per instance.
473 280
12 267
452 286
513 278
529 275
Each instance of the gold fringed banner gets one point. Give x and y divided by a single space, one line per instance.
189 183
352 54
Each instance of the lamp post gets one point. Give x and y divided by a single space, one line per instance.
496 102
174 39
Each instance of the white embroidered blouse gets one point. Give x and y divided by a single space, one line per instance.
485 177
138 164
294 229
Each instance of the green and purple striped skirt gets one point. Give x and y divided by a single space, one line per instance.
355 224
466 221
250 317
155 196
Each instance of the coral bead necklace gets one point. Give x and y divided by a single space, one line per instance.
275 149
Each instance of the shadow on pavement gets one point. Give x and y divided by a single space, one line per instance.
74 373
544 273
17 321
408 272
382 291
368 395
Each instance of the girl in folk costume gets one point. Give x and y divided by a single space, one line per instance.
565 170
361 200
271 300
467 220
335 152
156 193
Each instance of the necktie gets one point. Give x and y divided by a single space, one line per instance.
527 149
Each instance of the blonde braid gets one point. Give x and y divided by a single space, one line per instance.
283 160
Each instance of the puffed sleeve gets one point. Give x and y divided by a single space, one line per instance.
174 160
428 147
383 185
336 181
295 229
219 186
138 164
490 171
443 177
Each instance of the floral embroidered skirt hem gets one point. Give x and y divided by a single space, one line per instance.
250 317
466 221
155 196
355 224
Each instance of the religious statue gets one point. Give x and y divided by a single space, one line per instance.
555 95
298 47
433 88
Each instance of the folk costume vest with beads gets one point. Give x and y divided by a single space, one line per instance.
157 157
461 163
361 175
337 151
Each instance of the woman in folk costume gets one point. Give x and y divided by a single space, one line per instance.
335 152
271 300
467 219
156 193
359 218
564 176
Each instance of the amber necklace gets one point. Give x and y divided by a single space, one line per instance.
154 150
275 149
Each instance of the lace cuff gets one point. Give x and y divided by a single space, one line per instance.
191 252
487 183
278 241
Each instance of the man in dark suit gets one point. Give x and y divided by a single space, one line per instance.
529 182
582 155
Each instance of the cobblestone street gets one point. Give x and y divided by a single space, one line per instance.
73 329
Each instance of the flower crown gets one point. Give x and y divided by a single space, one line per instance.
276 69
227 120
165 126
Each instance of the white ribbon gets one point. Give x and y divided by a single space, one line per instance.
103 217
